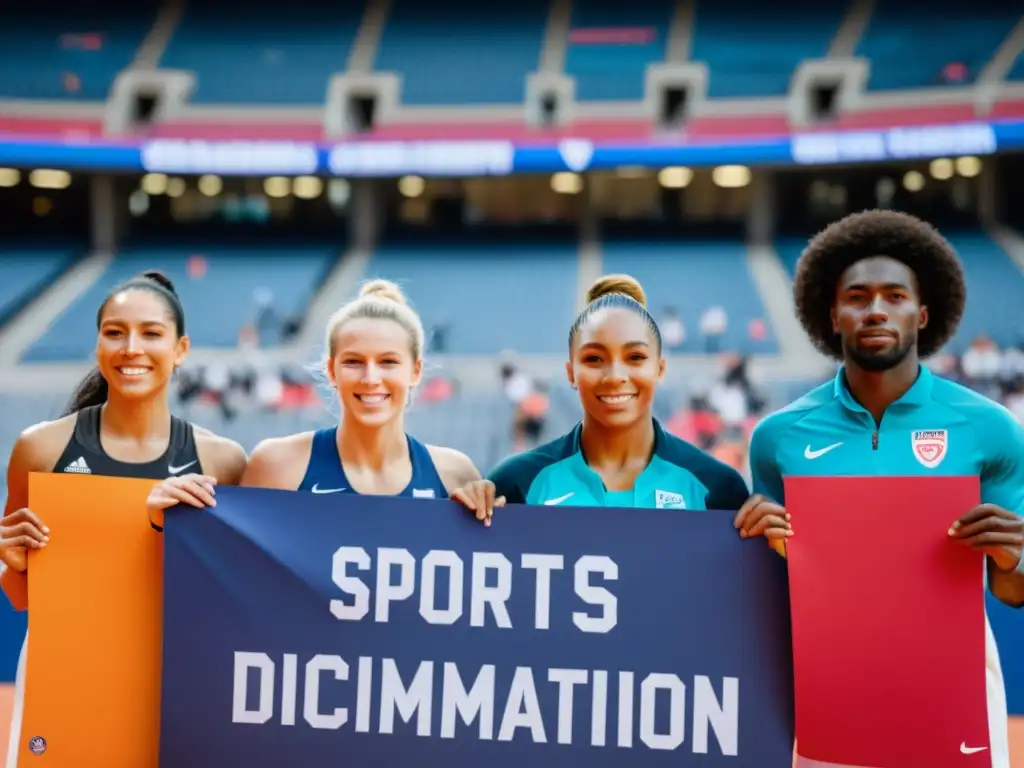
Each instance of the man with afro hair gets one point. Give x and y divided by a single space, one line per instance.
879 291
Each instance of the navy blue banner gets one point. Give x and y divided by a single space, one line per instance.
326 630
468 158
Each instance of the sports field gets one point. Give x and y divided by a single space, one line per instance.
7 694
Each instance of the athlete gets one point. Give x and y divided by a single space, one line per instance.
373 359
879 291
118 423
619 455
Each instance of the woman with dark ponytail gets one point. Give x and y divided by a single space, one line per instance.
118 423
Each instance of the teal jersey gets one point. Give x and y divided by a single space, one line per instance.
679 476
936 428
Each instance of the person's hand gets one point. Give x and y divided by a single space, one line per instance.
195 490
993 530
760 516
478 498
20 531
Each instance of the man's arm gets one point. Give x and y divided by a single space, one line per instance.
1002 486
766 479
1007 586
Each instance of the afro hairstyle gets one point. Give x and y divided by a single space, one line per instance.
899 236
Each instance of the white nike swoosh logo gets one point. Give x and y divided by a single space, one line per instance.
970 750
182 468
316 489
560 499
809 454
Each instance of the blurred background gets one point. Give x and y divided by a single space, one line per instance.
494 161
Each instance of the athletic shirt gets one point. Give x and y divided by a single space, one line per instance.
84 455
936 428
679 476
324 473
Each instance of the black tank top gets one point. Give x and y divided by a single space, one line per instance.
85 456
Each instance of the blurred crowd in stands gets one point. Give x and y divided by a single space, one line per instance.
997 373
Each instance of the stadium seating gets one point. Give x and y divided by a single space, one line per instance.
44 44
527 292
1016 72
217 288
789 250
753 53
268 54
448 53
909 43
24 273
615 71
994 287
692 275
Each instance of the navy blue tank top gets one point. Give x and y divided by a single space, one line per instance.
324 473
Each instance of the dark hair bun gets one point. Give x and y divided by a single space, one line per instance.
158 277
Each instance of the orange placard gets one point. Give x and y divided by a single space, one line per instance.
92 692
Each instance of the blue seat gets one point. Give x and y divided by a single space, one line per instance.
753 53
24 273
1016 72
43 45
270 54
492 297
909 43
789 250
217 303
994 287
691 276
452 52
615 72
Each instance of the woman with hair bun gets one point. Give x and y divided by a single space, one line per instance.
373 358
618 455
118 423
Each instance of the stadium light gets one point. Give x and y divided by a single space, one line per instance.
175 187
675 177
138 203
338 192
210 185
411 186
941 168
154 184
913 181
566 183
9 177
276 186
45 178
968 167
731 176
307 187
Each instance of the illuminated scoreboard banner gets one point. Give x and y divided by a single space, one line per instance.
367 158
304 630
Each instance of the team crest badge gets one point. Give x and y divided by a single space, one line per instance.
930 446
37 745
669 500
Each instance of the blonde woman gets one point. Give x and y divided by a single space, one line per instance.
373 360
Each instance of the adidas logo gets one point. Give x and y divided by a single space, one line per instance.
79 466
